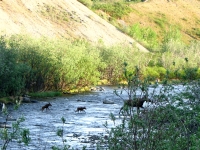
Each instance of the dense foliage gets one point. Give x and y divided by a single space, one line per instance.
171 121
31 65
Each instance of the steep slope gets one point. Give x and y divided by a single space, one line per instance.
58 18
160 15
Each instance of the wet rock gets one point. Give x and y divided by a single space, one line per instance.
85 141
94 137
34 101
93 89
97 89
4 126
80 100
101 88
106 137
26 100
76 135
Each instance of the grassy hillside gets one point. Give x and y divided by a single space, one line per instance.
161 14
156 16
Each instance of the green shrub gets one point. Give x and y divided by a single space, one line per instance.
28 64
152 73
144 35
163 127
171 36
87 3
12 73
189 73
56 64
16 133
155 72
116 10
198 73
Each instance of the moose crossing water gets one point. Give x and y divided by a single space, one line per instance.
80 129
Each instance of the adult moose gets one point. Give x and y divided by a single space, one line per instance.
137 102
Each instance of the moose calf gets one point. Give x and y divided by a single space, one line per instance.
135 103
46 106
79 109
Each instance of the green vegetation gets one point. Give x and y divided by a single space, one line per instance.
161 21
115 10
174 125
53 66
145 35
32 65
45 94
153 25
17 132
87 3
60 133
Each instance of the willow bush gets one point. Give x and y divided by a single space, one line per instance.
12 72
49 64
114 57
41 64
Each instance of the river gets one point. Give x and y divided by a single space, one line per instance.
80 129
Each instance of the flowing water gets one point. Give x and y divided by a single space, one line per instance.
80 129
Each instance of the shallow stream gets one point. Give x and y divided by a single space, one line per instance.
81 129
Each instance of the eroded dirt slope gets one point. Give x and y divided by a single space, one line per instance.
58 18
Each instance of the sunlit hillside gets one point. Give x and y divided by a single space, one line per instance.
161 14
58 18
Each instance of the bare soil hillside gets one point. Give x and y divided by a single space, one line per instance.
58 18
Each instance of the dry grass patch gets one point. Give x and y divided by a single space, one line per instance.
160 14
